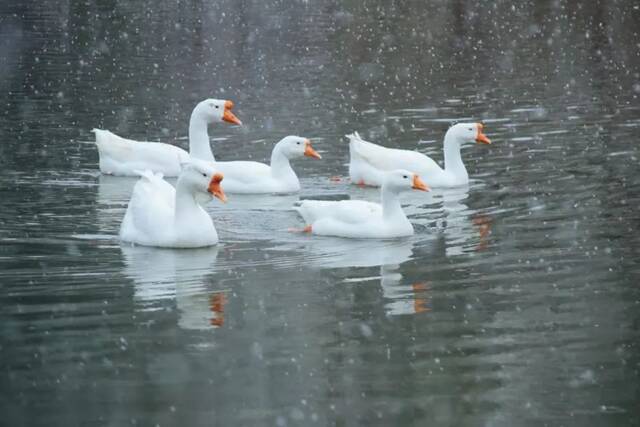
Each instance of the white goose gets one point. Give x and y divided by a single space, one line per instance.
253 177
120 156
361 219
369 161
159 215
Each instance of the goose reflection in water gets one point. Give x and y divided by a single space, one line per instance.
404 298
388 255
483 224
337 252
465 230
413 297
161 274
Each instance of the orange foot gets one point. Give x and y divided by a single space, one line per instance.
361 183
335 179
306 229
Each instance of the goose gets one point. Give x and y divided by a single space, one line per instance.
369 161
124 157
253 177
361 219
160 215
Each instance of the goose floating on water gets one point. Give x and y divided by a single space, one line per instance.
361 219
369 161
278 177
124 157
160 215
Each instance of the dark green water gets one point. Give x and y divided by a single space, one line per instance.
516 302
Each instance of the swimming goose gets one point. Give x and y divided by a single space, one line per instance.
120 156
369 161
361 219
278 177
161 215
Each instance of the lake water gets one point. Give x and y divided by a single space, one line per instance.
515 303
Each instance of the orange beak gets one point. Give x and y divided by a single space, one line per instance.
309 151
481 137
215 189
228 116
419 184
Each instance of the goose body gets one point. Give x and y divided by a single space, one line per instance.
253 177
125 157
369 161
362 219
160 215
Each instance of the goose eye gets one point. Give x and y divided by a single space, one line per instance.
204 174
405 176
471 129
217 106
298 142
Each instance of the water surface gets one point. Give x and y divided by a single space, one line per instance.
516 302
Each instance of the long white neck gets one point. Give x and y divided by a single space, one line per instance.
199 146
391 208
187 208
452 159
280 166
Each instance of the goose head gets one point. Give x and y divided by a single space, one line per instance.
202 178
215 111
465 133
295 146
402 180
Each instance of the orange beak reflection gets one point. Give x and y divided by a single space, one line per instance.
309 151
216 304
215 189
420 301
419 184
228 116
481 137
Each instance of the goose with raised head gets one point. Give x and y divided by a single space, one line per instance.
160 215
369 161
278 177
121 156
362 219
